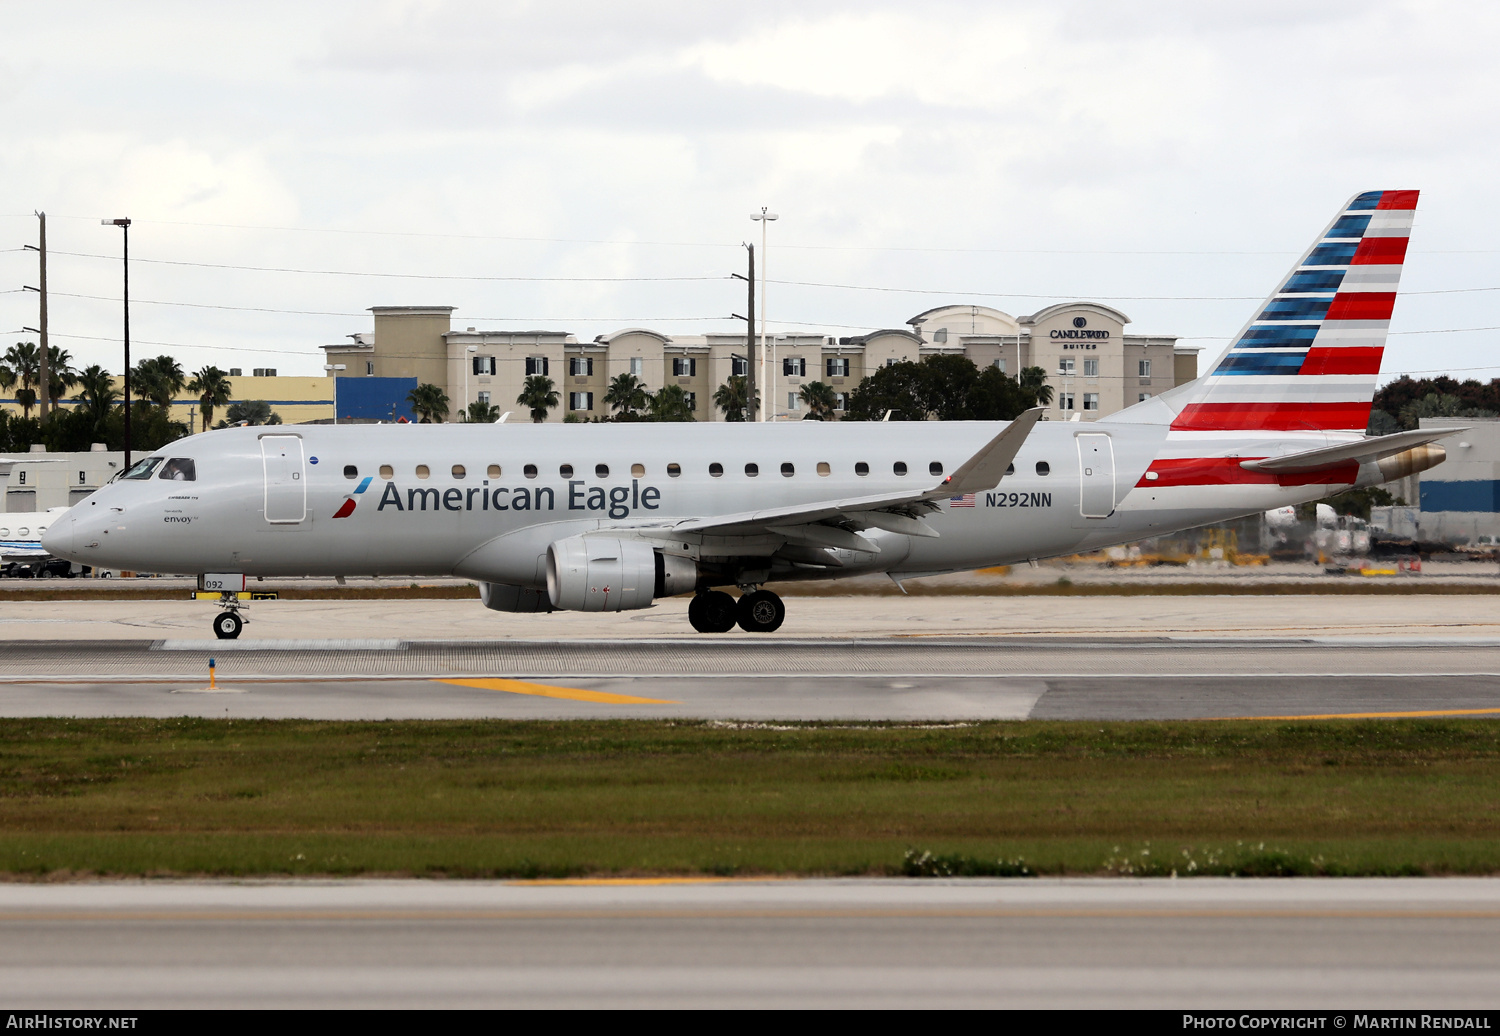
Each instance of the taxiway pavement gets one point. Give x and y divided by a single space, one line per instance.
763 678
1361 944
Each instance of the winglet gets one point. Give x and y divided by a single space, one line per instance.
985 469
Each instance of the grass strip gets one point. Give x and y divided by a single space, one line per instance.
555 799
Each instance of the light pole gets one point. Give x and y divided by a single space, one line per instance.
468 362
124 225
768 401
332 369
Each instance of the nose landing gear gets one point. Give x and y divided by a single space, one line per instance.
228 623
715 611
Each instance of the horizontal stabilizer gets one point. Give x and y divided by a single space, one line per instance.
1360 450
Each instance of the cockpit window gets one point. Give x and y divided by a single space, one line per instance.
179 469
144 468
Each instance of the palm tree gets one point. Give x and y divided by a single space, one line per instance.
60 373
98 395
482 413
671 404
23 362
627 397
429 403
213 389
1034 384
819 400
539 396
159 379
730 399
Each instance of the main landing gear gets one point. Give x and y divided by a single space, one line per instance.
715 611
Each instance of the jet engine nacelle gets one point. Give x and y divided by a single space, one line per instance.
599 574
504 597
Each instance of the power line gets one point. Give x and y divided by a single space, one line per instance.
403 276
1102 298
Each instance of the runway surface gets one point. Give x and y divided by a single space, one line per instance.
1202 943
932 678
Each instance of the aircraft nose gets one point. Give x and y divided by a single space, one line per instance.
58 539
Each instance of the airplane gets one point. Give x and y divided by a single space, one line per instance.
21 535
607 519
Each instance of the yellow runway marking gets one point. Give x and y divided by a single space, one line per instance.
642 881
1375 715
542 690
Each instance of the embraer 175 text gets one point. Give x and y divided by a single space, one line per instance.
609 518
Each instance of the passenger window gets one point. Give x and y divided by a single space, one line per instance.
1010 469
787 471
179 469
1043 468
494 471
143 469
458 471
350 471
601 471
638 470
529 471
935 468
899 467
673 470
823 468
386 471
861 468
422 471
716 469
566 471
752 469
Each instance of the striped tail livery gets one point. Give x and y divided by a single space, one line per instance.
1308 360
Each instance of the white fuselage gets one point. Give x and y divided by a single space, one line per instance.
485 501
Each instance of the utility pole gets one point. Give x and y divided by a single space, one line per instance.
44 374
749 319
768 413
124 225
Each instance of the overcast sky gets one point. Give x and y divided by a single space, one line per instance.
1169 158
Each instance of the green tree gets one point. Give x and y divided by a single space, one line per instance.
60 373
17 434
730 399
213 389
819 399
97 394
539 396
942 388
627 397
159 379
482 413
1438 404
1034 384
248 411
671 404
23 365
429 402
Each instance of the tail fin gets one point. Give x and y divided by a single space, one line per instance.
1309 359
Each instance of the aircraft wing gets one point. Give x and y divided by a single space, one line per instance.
831 523
1360 450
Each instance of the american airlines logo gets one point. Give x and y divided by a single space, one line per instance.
616 501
